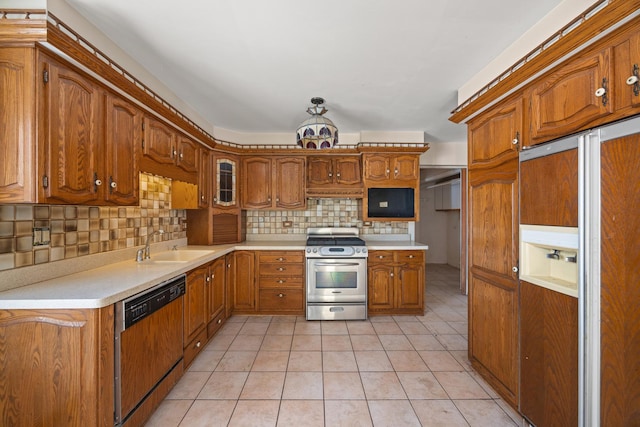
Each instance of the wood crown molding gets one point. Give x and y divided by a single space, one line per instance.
573 37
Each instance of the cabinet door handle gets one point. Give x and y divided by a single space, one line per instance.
395 172
338 175
514 269
219 321
634 81
208 278
601 92
96 182
330 174
198 344
112 183
391 275
181 156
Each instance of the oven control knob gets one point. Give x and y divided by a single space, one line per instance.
364 250
357 250
315 250
308 250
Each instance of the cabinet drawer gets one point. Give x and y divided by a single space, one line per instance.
281 269
281 282
273 257
214 326
410 257
194 347
380 256
281 300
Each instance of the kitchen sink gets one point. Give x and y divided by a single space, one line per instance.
179 256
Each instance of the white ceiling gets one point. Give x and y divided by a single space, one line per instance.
254 65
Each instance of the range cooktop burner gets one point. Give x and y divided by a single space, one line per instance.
334 241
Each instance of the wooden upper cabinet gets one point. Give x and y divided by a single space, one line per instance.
391 169
17 126
348 171
289 182
627 66
167 152
188 153
572 97
329 176
159 141
123 133
495 135
320 171
69 140
205 180
256 182
273 183
225 181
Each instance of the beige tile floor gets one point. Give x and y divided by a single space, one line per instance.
386 371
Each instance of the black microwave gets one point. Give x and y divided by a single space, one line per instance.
391 202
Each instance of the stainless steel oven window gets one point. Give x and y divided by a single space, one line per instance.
336 279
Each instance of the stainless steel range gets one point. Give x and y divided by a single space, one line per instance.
336 274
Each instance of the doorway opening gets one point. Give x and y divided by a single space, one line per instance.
442 213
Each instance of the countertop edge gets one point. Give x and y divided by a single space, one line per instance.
40 295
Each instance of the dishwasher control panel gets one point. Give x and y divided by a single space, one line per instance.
142 305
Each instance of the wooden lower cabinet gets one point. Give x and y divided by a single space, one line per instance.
395 282
243 285
281 282
548 357
493 277
57 367
216 295
195 313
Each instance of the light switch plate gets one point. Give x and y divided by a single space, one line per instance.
41 236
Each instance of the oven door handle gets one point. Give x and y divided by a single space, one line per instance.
336 264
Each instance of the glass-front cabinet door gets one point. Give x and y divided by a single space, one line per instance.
226 194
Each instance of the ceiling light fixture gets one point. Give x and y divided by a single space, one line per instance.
317 131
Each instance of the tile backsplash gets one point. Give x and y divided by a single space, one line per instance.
319 213
75 231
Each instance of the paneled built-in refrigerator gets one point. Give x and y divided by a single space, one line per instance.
580 281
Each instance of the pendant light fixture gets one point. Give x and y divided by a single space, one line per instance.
317 131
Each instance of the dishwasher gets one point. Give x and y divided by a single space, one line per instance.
148 344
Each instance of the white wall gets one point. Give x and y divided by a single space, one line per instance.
453 238
450 154
560 16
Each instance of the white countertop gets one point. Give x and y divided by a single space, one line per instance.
101 286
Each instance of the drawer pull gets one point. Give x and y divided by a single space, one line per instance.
410 256
282 295
380 256
280 259
281 269
198 344
219 321
281 281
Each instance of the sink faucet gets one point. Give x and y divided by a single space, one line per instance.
145 253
